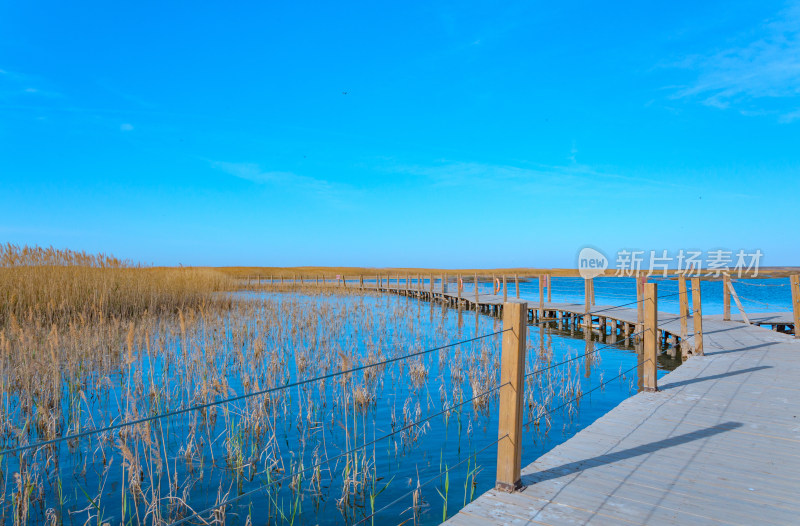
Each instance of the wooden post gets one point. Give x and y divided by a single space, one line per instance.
697 306
516 284
587 318
476 292
683 296
794 280
550 289
726 298
512 380
444 284
541 296
650 336
431 284
639 304
505 289
458 288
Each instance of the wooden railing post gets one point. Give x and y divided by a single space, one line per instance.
516 284
550 289
505 289
640 281
541 296
697 307
683 296
444 284
476 292
512 380
458 288
794 280
726 298
650 336
587 297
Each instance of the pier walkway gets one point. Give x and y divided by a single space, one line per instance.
719 443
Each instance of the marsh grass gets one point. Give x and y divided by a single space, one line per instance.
86 341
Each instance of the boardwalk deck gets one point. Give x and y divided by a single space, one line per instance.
718 444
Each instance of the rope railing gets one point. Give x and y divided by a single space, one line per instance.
328 460
598 349
742 282
487 446
779 307
584 393
432 479
176 412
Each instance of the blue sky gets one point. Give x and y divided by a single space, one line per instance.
495 134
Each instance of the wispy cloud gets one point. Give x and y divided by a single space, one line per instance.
530 178
333 192
544 180
14 84
745 76
126 127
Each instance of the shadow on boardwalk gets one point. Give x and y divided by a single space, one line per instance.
673 385
617 456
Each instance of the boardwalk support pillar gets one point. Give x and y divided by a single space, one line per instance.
512 380
697 306
650 336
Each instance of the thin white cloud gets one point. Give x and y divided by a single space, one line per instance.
335 193
126 127
542 180
745 76
14 85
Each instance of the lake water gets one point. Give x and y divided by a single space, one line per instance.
338 450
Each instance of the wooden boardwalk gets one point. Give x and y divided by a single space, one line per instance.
718 444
